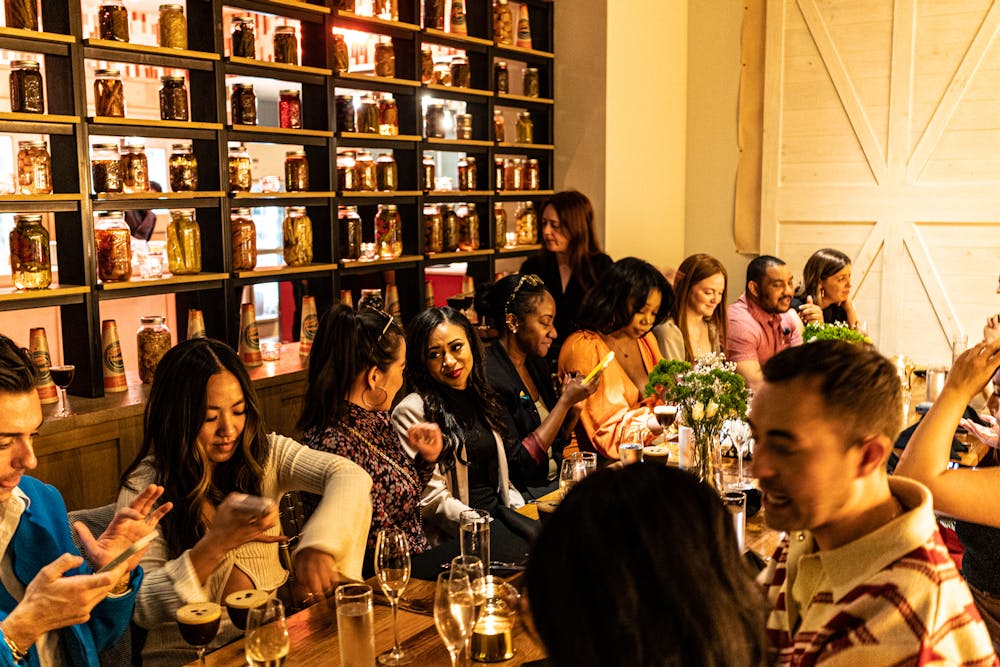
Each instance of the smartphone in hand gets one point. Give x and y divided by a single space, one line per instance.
600 367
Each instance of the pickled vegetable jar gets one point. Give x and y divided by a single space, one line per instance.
345 113
513 174
433 229
173 98
341 56
286 45
503 23
428 172
183 243
350 232
461 75
30 259
244 40
21 14
533 175
467 173
388 232
385 59
501 78
367 115
530 82
386 173
105 168
468 235
182 168
27 91
134 168
289 109
112 21
114 247
365 171
434 121
34 168
452 228
243 104
499 182
347 176
499 225
525 128
173 27
296 171
463 126
297 237
109 93
152 341
526 222
388 116
499 131
244 240
240 169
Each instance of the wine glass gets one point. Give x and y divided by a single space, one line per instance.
739 434
665 414
454 612
392 567
473 568
574 469
62 376
198 623
266 641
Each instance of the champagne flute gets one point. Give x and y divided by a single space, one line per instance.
62 376
266 643
392 567
574 469
454 612
739 433
198 623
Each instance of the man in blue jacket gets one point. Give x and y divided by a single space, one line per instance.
54 608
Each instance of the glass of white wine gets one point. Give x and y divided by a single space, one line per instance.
454 612
266 642
392 567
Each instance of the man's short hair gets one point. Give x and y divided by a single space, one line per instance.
856 383
758 267
17 370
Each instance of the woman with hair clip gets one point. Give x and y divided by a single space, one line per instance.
697 324
446 373
572 260
618 316
524 312
355 369
826 281
204 442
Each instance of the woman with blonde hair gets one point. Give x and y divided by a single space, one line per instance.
697 324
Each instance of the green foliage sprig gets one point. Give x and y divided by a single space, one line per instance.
836 331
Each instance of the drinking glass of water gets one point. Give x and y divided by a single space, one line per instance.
736 503
266 642
474 526
574 468
355 624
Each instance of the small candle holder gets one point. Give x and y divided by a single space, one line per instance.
270 350
492 637
511 239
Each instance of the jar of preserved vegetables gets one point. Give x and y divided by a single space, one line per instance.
434 14
461 75
452 228
244 39
501 78
30 258
173 27
513 174
468 235
109 93
386 174
388 232
499 225
289 109
525 128
428 172
152 342
498 174
296 171
22 14
433 229
350 233
367 115
526 224
183 243
442 75
134 168
457 25
244 240
434 121
173 98
463 126
297 237
533 175
27 91
34 168
105 168
467 173
499 132
112 21
114 247
240 169
347 175
182 168
388 116
244 104
385 59
365 168
503 23
286 45
341 56
426 66
344 106
530 82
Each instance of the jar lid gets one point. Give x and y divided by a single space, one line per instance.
345 97
290 91
238 147
241 212
295 154
431 209
497 112
24 144
243 19
39 144
362 154
350 154
183 213
387 97
24 64
533 70
172 79
110 214
502 63
532 161
27 217
524 114
470 159
181 147
436 106
459 59
300 210
348 209
429 156
285 29
105 147
171 8
391 208
386 156
152 319
107 72
471 206
242 86
135 145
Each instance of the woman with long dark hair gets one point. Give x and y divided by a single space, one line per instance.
697 324
204 442
826 279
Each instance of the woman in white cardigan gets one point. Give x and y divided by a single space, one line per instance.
204 442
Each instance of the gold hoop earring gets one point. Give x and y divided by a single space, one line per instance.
376 404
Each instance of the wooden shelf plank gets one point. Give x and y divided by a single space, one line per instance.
441 34
458 195
524 98
38 35
163 282
279 271
375 80
359 266
71 196
458 142
374 21
14 294
534 147
519 249
160 196
301 6
510 48
458 254
459 90
288 132
282 196
279 67
350 194
525 193
38 118
150 122
185 54
379 137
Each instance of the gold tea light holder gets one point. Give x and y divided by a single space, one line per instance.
493 634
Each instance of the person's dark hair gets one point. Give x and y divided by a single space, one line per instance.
680 592
347 344
576 219
517 294
17 370
623 290
857 385
820 266
692 271
175 413
758 267
419 380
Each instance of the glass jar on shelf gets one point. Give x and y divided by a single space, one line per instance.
513 174
428 172
426 66
183 243
297 237
182 168
457 24
441 75
468 235
286 45
112 21
347 175
461 75
452 228
289 109
341 56
498 174
243 103
173 98
388 232
152 342
385 59
526 224
533 175
463 126
21 14
525 128
134 167
350 233
173 27
503 23
388 116
499 131
27 90
433 229
105 168
386 173
34 168
109 93
114 247
499 225
530 82
365 171
30 258
367 115
501 77
467 173
434 121
240 169
296 171
434 14
344 109
244 240
243 37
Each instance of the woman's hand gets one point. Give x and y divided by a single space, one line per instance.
973 369
235 524
984 434
316 575
130 524
426 439
574 389
992 329
809 312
